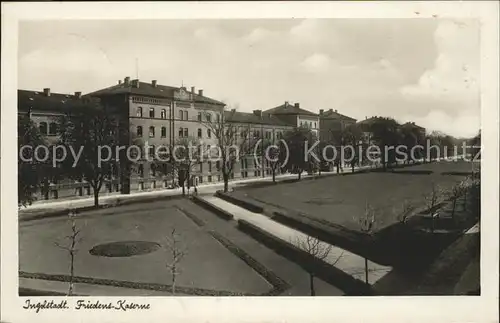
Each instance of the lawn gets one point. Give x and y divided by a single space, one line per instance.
341 199
208 264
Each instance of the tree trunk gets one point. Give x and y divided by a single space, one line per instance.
96 197
311 284
453 209
173 281
71 271
274 176
226 184
183 189
352 167
465 200
366 272
300 174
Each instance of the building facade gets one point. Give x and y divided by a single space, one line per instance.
332 124
154 116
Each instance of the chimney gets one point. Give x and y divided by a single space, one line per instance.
46 91
119 81
127 81
321 111
78 95
258 113
366 117
297 105
286 104
153 83
193 90
336 110
330 110
233 110
135 83
200 92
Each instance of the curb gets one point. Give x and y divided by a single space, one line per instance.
223 214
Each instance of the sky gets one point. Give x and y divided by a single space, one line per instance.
421 70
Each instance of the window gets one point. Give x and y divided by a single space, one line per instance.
199 116
209 117
139 131
218 118
139 112
163 132
186 115
199 133
243 134
209 166
209 133
163 114
315 125
186 133
43 128
310 124
151 132
53 128
151 112
151 151
209 178
181 132
140 170
181 115
256 134
201 167
152 170
153 184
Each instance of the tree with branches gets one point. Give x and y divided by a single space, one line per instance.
71 248
319 250
177 252
405 211
367 224
230 144
431 200
32 174
386 134
93 131
296 141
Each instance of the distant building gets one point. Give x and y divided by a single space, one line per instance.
420 130
294 116
332 124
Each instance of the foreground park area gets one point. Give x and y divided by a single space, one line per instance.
240 243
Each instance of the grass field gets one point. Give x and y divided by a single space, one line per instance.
341 199
208 265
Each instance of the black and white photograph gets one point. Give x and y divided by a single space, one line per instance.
278 156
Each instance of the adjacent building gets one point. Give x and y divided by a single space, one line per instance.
155 115
332 124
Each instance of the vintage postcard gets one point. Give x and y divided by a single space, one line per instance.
249 162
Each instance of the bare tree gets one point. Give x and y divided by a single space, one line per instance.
74 239
455 194
317 249
431 200
405 212
367 225
231 145
177 251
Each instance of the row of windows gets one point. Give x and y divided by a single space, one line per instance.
306 124
183 132
163 113
182 114
147 100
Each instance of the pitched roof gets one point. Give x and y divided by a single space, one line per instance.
147 89
55 102
330 114
368 121
413 125
245 117
289 109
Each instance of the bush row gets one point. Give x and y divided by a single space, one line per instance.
241 202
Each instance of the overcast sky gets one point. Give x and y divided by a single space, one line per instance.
422 70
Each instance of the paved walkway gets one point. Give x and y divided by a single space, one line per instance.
202 189
344 260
